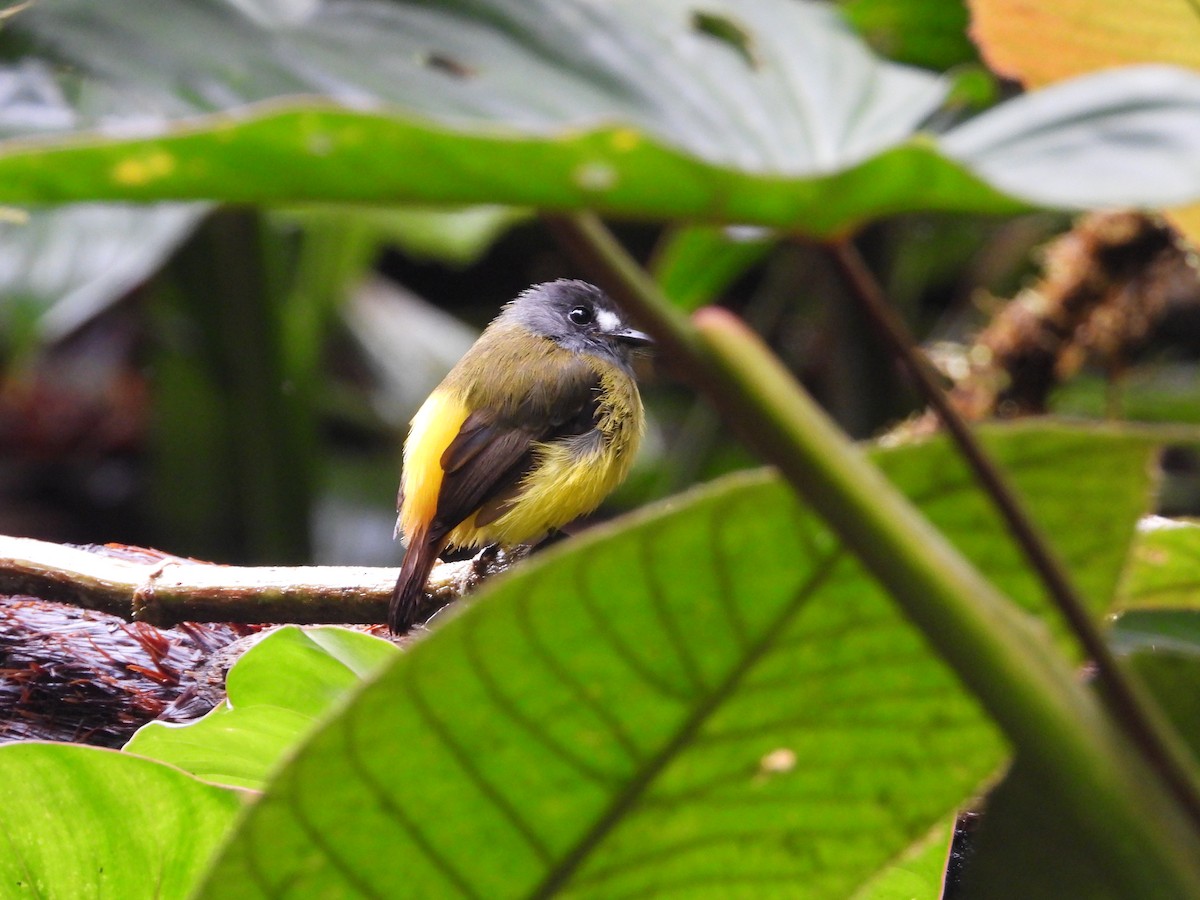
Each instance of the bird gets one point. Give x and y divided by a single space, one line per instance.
533 427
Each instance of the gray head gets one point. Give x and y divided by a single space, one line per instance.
578 316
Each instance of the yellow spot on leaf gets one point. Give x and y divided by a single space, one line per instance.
625 139
139 170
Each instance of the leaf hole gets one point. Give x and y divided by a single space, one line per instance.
440 62
727 31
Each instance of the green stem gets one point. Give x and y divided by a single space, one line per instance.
1132 706
1059 726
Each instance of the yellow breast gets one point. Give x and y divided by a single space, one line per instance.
564 484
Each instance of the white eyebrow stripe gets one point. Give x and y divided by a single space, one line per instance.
609 321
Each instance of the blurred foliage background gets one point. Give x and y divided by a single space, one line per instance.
233 382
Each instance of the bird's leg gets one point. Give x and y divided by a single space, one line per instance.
555 536
487 558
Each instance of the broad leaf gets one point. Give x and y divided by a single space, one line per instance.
1163 647
277 692
712 698
90 823
1048 144
918 874
765 111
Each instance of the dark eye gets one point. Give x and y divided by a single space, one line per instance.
581 315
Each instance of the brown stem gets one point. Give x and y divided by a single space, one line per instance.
1131 705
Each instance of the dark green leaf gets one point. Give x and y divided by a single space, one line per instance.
1022 849
1163 648
1150 630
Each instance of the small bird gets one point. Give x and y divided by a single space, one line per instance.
532 428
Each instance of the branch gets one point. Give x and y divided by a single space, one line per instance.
163 590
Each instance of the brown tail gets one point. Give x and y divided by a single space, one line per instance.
408 599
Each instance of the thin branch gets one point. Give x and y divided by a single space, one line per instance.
163 590
1133 707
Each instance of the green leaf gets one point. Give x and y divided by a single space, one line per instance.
277 692
712 698
1137 630
457 237
90 823
1094 548
929 33
1159 392
918 874
696 263
1173 677
655 113
1163 648
1164 570
288 149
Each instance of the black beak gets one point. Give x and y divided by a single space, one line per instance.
633 338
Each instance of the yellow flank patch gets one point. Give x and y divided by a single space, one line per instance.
435 425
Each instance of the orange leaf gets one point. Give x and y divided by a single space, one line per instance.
1038 42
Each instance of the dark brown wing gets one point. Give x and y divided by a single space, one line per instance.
493 450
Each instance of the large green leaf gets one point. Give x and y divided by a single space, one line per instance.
805 95
277 692
713 698
764 111
83 822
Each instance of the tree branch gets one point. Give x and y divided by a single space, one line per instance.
163 590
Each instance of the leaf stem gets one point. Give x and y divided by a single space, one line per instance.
1132 707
